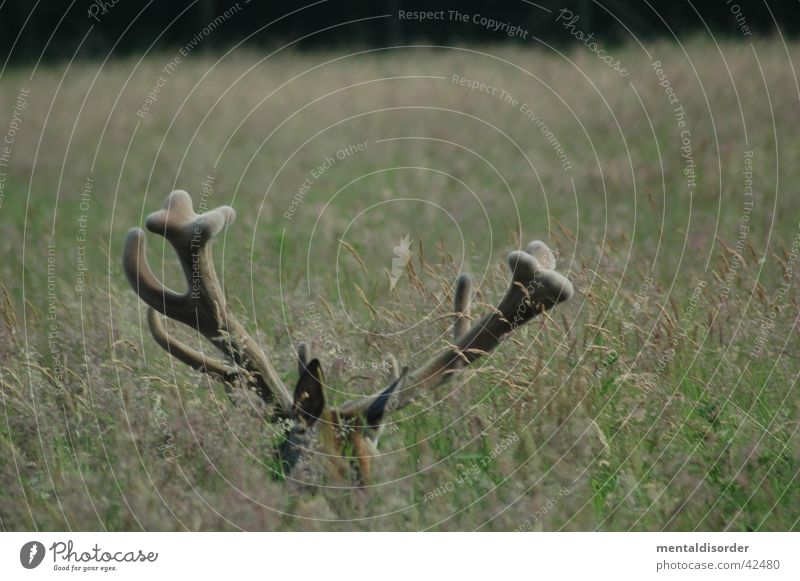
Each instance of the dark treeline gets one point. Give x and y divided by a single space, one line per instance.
55 29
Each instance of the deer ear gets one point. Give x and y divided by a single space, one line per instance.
309 397
377 410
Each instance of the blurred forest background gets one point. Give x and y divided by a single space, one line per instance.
53 30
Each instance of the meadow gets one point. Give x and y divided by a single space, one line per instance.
663 396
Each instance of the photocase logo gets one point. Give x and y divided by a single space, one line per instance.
402 256
31 554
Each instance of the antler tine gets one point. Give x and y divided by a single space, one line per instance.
535 287
191 357
542 253
141 277
203 305
461 305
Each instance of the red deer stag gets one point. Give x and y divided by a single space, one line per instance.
350 431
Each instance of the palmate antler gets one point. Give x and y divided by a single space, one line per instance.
535 287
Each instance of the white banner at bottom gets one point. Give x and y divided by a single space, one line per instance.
390 556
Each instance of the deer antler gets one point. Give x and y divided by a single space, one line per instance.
203 306
534 288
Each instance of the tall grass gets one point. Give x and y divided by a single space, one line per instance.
663 396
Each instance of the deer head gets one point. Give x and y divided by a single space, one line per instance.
348 432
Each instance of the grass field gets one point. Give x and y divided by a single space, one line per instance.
663 396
